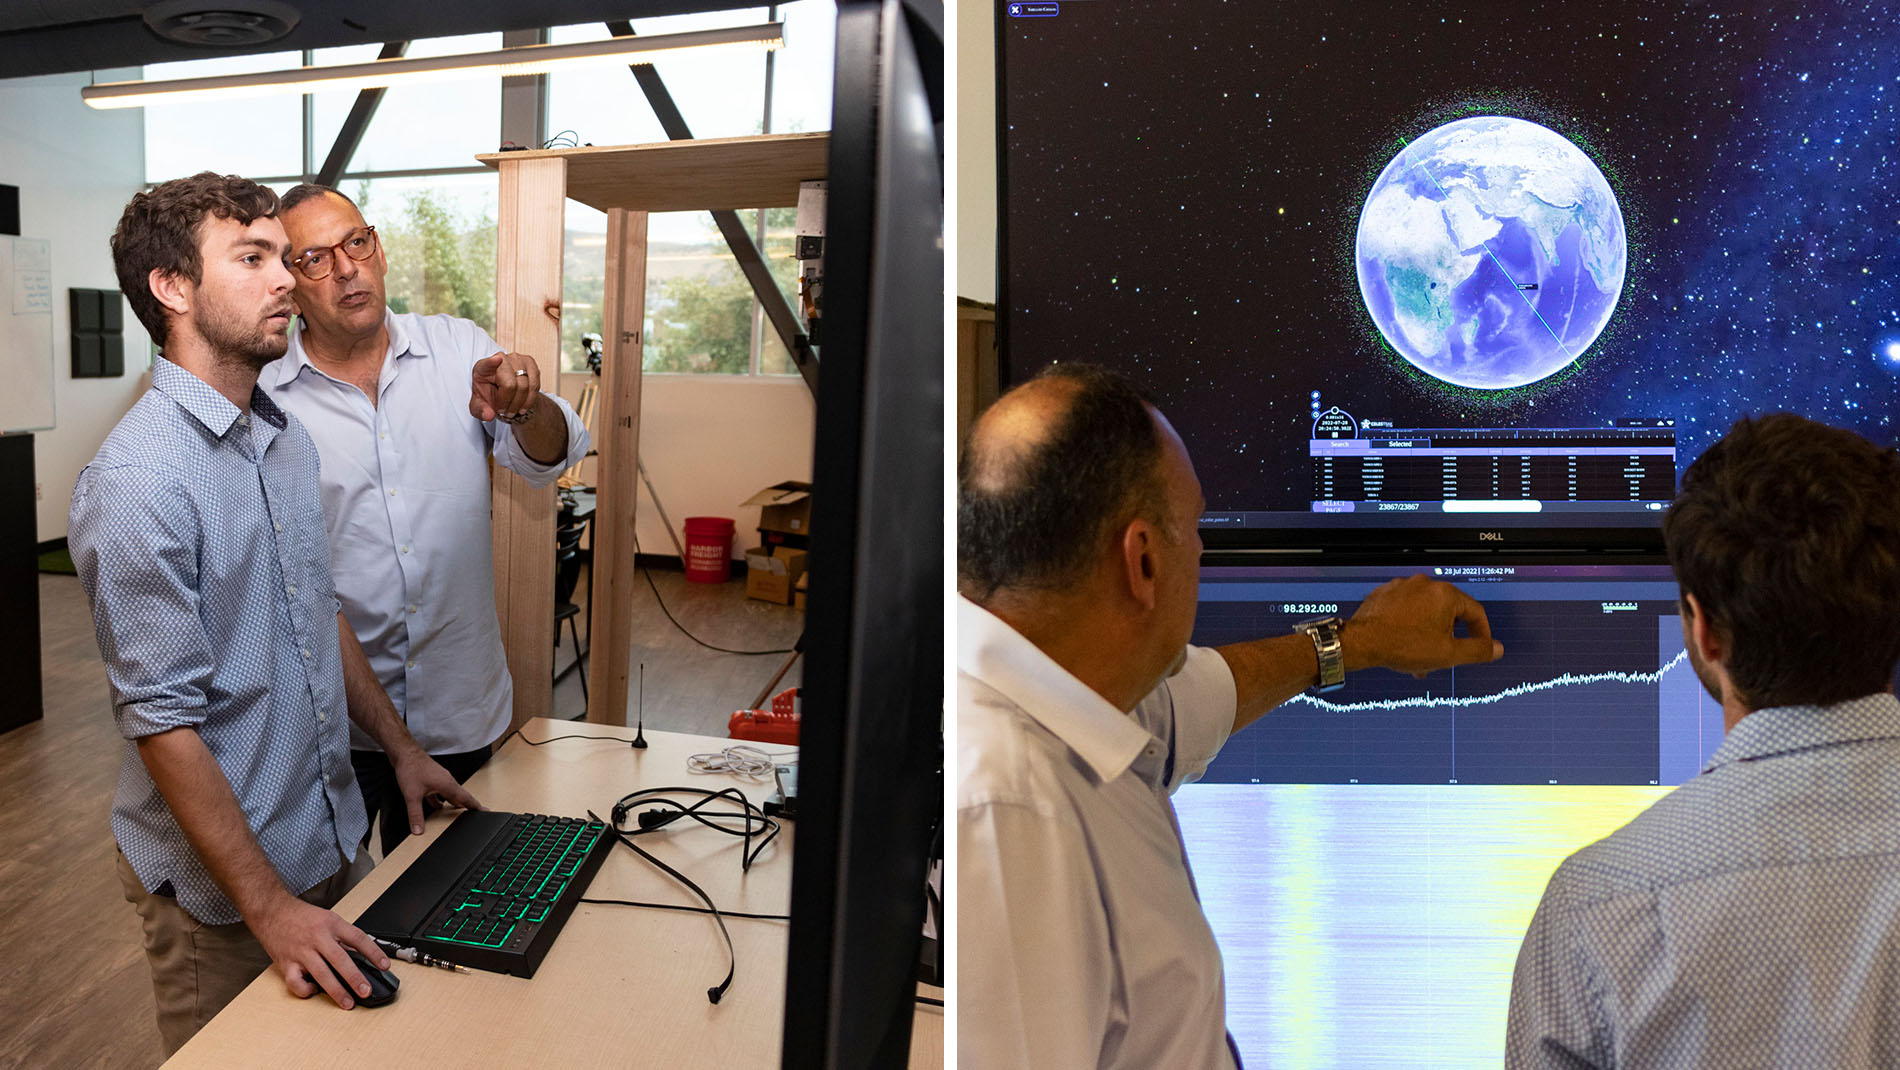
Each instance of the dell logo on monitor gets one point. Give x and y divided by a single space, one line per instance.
1490 536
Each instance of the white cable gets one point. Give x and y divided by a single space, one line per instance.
738 759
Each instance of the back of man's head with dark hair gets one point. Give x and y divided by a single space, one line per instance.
307 191
161 227
1036 500
1788 534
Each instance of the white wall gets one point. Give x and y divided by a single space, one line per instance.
710 442
976 151
76 168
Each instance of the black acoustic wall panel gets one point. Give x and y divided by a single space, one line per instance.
98 324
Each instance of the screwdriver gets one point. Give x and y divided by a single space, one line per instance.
420 958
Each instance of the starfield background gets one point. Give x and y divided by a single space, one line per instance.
1184 181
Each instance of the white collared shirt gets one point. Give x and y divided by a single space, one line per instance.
406 500
1080 940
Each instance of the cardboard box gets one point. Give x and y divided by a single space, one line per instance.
798 591
771 573
784 514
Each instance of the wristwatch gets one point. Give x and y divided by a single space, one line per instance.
1324 631
524 415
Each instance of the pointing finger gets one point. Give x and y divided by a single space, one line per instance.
1467 609
1474 650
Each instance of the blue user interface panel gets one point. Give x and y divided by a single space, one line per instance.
1597 687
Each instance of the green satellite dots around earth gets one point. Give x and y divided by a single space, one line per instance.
1491 253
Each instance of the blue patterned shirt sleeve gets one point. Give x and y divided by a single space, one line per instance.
139 562
1556 1021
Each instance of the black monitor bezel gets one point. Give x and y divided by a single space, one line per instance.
1387 557
871 747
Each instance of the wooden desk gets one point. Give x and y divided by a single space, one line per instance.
622 986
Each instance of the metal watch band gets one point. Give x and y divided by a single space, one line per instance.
1324 631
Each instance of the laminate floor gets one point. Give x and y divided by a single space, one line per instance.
74 991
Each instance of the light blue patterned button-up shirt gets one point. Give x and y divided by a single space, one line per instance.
198 534
406 496
1750 918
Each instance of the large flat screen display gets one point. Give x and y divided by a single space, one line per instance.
1369 858
1473 265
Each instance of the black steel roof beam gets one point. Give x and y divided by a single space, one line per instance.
744 249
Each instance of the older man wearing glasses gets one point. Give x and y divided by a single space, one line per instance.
406 411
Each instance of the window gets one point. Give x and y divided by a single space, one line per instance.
719 94
439 235
701 314
415 178
418 126
255 136
801 75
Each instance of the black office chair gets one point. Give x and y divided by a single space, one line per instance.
567 573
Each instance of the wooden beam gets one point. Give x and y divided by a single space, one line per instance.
618 441
760 171
528 320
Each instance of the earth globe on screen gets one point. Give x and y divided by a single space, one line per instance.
1491 252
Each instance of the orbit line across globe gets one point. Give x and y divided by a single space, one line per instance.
1491 253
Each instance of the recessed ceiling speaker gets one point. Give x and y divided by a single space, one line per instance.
221 23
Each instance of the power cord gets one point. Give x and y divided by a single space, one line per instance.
665 808
550 739
714 993
740 759
682 628
648 573
931 1001
687 909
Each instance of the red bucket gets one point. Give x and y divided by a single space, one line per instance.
708 549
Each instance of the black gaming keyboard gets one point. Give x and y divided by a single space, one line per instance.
493 890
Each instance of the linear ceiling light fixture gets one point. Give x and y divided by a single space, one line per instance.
527 59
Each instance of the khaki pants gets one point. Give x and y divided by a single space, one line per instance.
198 968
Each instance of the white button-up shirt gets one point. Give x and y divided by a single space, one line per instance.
406 500
1082 943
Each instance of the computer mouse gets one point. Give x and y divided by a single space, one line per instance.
382 983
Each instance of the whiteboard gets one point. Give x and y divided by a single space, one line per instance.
26 334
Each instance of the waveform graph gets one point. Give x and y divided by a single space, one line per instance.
1578 698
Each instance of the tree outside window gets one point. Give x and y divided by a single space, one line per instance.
440 241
